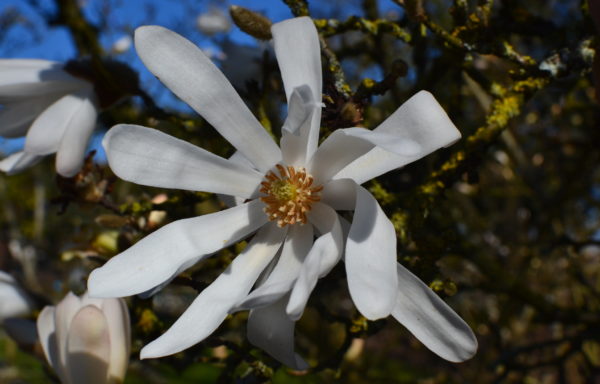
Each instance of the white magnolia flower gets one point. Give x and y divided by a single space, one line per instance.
14 302
300 185
55 111
214 21
86 340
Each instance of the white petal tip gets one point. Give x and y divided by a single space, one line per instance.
464 352
97 286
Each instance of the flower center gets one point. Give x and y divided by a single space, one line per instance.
289 196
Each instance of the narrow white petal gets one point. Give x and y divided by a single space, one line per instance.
182 67
119 329
298 54
17 162
270 329
149 157
157 257
323 256
420 119
49 127
88 347
46 329
71 150
297 245
300 132
213 304
370 258
431 320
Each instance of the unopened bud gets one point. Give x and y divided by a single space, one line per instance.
252 23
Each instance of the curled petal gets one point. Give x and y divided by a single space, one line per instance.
299 133
299 61
344 146
420 119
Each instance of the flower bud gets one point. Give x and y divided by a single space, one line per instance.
252 23
86 340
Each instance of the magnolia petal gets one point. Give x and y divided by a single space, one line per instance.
370 258
63 315
71 151
21 79
18 161
213 304
16 117
149 157
119 329
295 248
186 71
327 222
88 347
298 140
157 257
344 146
6 64
420 119
18 71
431 320
298 54
323 256
270 329
46 328
49 127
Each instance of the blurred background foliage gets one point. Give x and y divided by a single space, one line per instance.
504 225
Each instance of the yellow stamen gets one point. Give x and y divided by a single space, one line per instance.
289 196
